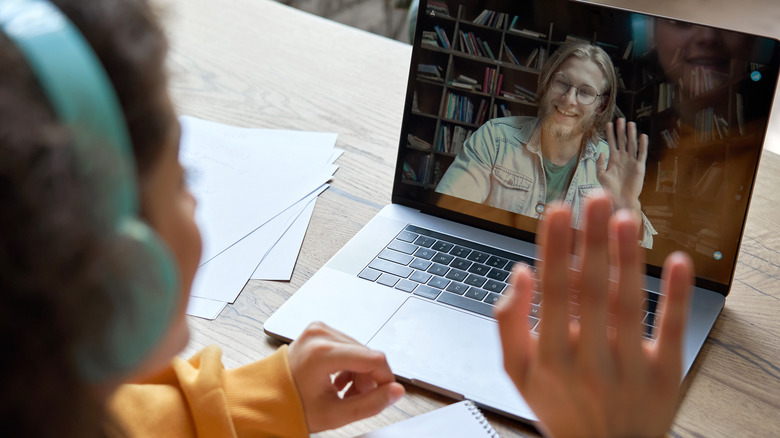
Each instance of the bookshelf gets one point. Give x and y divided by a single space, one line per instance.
473 66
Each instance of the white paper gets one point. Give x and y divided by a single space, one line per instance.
243 177
278 265
458 420
204 308
223 277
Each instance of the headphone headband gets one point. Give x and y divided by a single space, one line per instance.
76 85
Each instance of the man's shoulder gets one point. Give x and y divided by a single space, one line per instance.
517 122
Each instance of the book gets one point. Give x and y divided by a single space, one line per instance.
445 42
525 91
418 143
437 8
530 33
465 83
430 38
576 39
511 55
666 178
629 47
488 51
531 57
458 420
430 71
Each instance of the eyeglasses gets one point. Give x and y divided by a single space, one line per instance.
586 94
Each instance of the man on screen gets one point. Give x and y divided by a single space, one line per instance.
521 164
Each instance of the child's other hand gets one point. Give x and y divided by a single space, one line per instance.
596 376
323 362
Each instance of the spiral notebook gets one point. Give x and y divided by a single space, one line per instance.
458 420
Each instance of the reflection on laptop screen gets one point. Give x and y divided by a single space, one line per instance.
495 80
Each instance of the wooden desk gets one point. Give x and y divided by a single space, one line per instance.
257 63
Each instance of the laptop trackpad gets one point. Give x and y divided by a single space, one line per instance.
450 351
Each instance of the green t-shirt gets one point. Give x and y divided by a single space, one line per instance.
558 178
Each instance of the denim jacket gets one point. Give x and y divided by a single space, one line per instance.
501 166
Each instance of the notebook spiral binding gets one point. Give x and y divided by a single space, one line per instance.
482 420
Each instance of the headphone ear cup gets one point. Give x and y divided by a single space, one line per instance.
144 299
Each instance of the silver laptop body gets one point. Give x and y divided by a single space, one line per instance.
453 350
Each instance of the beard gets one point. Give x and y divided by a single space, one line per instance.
584 126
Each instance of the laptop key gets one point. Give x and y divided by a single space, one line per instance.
494 286
475 293
425 253
460 251
649 320
497 274
457 288
369 274
443 258
407 236
457 274
442 246
475 280
395 256
497 262
420 264
439 282
390 268
388 280
460 263
478 269
427 292
406 285
479 257
438 269
425 241
402 246
420 277
466 304
492 298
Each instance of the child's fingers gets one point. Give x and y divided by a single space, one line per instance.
675 305
356 407
594 279
512 316
628 292
554 326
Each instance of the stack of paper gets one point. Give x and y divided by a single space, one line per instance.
255 190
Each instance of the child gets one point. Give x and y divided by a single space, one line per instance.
60 266
67 277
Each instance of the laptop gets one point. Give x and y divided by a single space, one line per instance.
420 280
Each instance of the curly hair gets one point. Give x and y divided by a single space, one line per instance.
53 260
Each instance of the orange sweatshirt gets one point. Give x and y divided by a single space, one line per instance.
199 397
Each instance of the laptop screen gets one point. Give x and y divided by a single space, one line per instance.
492 82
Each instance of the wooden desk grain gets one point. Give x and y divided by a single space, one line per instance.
257 63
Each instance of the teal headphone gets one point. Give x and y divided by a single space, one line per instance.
81 94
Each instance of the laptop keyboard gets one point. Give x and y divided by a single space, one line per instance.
461 273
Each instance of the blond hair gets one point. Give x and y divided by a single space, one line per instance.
598 56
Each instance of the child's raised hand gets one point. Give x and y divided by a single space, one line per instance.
323 362
596 376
